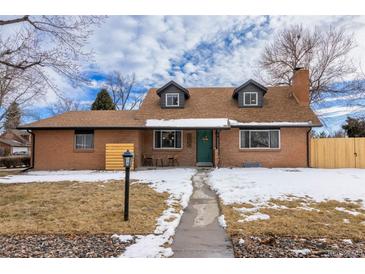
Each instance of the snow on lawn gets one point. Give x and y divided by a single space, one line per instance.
255 217
222 221
259 185
177 182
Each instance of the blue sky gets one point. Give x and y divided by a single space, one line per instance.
199 51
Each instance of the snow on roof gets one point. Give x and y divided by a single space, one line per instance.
189 123
217 123
268 124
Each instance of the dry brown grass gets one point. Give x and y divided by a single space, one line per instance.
294 222
73 207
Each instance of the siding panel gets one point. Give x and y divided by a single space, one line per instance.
251 88
172 89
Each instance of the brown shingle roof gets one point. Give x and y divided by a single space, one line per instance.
89 119
279 106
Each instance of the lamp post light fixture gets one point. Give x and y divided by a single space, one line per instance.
127 158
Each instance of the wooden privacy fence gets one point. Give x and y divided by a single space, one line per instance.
337 153
114 158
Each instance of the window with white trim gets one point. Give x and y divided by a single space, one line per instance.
260 139
167 139
84 139
250 98
172 99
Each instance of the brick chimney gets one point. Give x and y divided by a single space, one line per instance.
300 86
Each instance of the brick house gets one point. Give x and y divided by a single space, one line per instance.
210 126
15 142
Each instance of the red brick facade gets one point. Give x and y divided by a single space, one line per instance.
54 149
292 152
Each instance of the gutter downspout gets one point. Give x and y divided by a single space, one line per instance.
308 149
33 146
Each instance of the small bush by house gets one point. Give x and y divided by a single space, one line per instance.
14 161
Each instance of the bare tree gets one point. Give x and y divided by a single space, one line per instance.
33 49
121 90
64 105
18 87
326 53
53 42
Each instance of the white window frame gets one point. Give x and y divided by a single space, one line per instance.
167 148
172 94
250 92
261 148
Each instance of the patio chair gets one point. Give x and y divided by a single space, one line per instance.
172 160
147 160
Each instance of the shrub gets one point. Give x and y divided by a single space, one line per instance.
14 161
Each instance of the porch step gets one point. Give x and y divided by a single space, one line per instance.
204 164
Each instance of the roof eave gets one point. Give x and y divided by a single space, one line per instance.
78 127
253 82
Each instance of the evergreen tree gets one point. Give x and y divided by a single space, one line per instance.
103 101
354 127
13 116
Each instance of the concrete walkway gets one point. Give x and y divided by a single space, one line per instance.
199 235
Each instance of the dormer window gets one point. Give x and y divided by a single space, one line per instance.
172 100
172 95
250 95
250 98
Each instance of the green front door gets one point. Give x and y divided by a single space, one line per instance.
204 142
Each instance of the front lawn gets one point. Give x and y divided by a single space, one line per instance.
80 213
297 205
296 218
78 207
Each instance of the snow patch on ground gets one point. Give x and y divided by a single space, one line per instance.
222 221
177 182
255 217
241 242
351 212
347 241
259 185
304 251
123 238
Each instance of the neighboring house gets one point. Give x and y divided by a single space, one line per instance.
15 142
225 126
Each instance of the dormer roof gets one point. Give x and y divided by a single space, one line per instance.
173 83
249 82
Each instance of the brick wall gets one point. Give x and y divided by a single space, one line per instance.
293 151
186 155
54 149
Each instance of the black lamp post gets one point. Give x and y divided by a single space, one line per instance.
127 158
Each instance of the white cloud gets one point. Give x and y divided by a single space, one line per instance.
152 46
337 111
193 50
